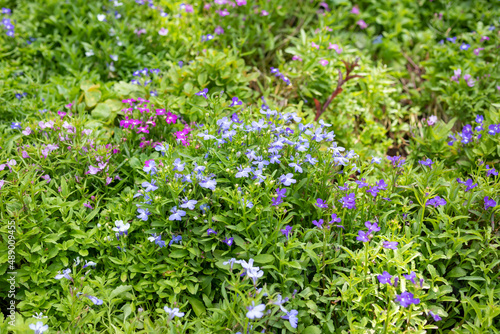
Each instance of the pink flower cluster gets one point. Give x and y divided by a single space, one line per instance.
148 122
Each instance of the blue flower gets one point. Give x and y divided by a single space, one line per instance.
203 93
211 231
178 165
256 312
363 236
176 214
411 277
292 318
208 183
189 204
15 125
143 214
287 179
235 102
405 299
149 186
176 239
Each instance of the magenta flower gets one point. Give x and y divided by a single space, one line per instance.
163 32
355 10
264 13
485 38
296 58
314 45
171 118
189 8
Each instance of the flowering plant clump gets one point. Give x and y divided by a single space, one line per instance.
249 167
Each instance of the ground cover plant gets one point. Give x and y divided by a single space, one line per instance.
249 167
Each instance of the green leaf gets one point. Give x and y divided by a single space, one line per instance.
264 258
197 305
119 290
92 95
457 272
312 330
179 253
102 112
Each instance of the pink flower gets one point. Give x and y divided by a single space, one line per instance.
223 12
241 2
485 38
362 24
108 180
264 13
2 182
47 178
189 8
323 62
432 120
207 6
335 47
163 32
140 31
476 51
314 45
328 28
61 113
25 155
142 129
355 10
296 58
26 131
93 170
160 112
171 118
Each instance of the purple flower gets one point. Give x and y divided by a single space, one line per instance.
390 244
219 30
286 231
211 231
208 183
491 171
349 201
362 183
372 227
335 219
318 223
411 277
397 160
385 278
435 316
489 203
15 125
428 162
203 93
321 204
405 299
228 241
494 129
467 183
436 201
464 46
363 236
235 102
